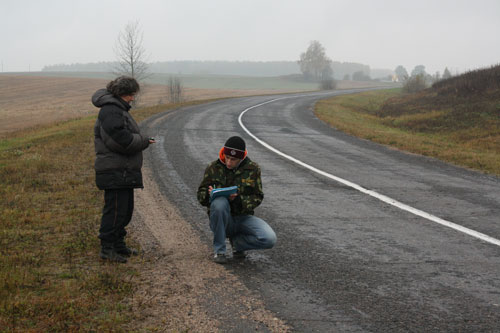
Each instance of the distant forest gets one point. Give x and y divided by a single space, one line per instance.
241 68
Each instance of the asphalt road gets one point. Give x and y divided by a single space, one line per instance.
345 260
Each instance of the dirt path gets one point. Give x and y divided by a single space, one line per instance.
180 288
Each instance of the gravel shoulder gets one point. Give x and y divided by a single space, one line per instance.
179 287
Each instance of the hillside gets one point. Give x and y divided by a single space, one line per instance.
457 120
467 106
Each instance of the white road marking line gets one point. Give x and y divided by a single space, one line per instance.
374 194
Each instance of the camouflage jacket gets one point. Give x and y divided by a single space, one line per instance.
246 176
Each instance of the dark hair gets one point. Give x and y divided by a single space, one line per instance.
123 86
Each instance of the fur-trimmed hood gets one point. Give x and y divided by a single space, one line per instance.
102 97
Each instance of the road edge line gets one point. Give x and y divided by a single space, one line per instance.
359 188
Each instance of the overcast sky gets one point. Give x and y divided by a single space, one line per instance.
460 34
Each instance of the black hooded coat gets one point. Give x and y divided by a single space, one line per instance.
118 144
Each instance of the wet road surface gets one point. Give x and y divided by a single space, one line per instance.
344 261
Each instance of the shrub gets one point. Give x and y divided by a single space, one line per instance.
414 84
175 91
328 84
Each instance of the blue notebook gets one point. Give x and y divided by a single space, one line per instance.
223 191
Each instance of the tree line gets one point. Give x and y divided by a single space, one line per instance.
314 64
341 70
419 78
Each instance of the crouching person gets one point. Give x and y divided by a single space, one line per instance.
232 217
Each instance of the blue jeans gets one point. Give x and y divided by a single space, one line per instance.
247 231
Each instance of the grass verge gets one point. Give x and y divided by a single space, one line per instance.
464 132
50 276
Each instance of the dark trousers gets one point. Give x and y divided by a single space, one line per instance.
116 215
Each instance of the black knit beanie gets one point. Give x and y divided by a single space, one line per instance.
235 146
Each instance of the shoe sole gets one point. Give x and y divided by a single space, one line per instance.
239 255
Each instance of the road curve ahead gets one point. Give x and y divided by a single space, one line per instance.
345 260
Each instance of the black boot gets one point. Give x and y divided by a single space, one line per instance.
109 253
122 249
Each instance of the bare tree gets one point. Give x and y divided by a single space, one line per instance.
175 91
130 53
314 63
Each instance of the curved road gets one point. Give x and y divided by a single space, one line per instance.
345 260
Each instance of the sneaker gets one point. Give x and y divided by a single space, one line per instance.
220 258
111 255
237 254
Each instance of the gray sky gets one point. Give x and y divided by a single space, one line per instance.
460 34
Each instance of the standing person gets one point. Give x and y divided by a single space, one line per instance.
118 146
232 216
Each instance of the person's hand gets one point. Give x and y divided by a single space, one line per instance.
232 196
152 140
210 188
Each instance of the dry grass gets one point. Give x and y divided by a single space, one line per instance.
50 276
28 101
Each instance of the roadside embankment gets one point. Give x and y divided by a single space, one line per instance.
462 130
